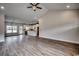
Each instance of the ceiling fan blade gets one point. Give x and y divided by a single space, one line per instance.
32 4
37 4
29 7
39 7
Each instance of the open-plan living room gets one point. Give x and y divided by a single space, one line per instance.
39 29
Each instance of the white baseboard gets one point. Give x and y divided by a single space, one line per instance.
75 42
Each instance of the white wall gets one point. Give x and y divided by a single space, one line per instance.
54 23
2 24
2 28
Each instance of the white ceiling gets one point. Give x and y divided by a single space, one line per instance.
20 10
60 6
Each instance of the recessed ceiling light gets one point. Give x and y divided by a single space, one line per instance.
67 6
2 7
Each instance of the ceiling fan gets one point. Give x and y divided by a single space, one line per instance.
34 6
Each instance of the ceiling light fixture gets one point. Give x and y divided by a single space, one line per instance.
34 8
2 7
67 6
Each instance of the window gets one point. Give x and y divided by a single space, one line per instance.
8 29
11 29
14 29
20 29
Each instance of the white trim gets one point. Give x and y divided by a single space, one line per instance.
76 42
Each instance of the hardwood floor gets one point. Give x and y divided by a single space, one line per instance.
33 46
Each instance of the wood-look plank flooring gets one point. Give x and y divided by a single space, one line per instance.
33 46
